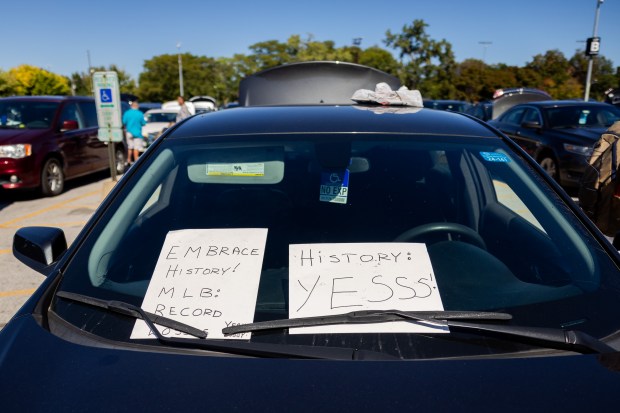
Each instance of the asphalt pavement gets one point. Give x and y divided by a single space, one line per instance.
69 211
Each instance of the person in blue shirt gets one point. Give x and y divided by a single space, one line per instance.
133 121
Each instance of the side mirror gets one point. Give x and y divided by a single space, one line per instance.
531 125
39 247
69 125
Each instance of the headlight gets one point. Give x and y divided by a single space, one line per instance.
21 150
579 150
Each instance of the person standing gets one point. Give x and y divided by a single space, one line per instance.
183 111
133 121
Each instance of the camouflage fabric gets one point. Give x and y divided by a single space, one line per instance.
599 192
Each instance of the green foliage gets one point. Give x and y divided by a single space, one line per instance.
82 82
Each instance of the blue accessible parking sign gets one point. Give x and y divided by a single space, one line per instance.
105 95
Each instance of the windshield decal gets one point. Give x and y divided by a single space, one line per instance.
236 169
326 279
207 278
335 186
494 157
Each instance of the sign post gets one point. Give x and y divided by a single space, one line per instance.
108 101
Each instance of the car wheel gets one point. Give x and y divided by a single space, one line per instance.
550 166
52 178
120 161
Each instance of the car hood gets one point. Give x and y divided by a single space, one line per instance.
11 136
42 372
153 127
590 135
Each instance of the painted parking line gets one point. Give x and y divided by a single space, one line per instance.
16 293
8 224
49 224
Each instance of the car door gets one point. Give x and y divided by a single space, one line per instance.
528 134
72 140
96 151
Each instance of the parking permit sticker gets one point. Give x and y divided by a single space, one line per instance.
494 157
326 279
206 278
236 169
334 186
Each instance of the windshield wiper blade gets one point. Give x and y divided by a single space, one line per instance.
573 340
242 348
131 310
367 317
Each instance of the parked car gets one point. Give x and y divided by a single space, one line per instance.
158 120
444 104
504 99
45 140
321 257
558 134
204 104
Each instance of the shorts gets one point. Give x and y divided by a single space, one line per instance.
135 143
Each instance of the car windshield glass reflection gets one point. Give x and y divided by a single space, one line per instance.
19 114
576 117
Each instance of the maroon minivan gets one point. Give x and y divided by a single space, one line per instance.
45 140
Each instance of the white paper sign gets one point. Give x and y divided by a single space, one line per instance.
207 278
327 279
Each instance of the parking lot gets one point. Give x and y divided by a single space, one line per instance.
69 211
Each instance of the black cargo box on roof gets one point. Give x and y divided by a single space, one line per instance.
310 83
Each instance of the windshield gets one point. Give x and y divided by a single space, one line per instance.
242 229
161 117
582 116
21 114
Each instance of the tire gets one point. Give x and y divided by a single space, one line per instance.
120 161
550 166
52 178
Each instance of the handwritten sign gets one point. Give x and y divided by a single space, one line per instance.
207 278
327 279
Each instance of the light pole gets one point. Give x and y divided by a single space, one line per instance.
485 44
591 50
180 70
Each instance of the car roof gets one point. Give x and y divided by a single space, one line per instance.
331 119
562 103
49 98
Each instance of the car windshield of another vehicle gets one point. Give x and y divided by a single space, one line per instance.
161 117
220 231
582 116
21 114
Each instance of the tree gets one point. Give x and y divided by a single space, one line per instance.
426 64
82 82
30 80
552 73
603 76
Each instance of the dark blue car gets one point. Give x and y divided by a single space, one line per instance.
322 257
558 134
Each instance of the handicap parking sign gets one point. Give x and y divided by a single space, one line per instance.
105 95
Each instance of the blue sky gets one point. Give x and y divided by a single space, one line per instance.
59 35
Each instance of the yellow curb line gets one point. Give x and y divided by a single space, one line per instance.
17 292
50 208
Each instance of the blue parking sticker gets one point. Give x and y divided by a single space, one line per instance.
494 157
334 186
